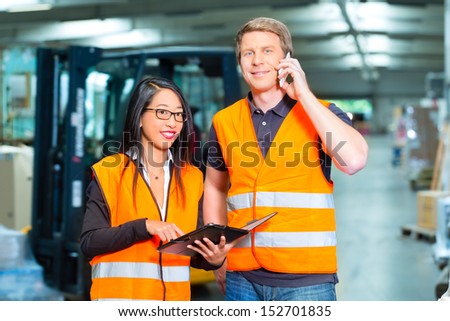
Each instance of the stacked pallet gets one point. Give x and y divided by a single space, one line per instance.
428 200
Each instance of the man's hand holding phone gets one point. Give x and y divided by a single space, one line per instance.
293 78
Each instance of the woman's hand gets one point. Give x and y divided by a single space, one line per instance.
165 231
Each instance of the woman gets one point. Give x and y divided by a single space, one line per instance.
138 200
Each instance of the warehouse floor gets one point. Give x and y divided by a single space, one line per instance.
376 262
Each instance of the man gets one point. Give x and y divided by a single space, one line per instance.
272 151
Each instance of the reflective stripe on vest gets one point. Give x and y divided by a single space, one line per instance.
140 270
280 199
290 239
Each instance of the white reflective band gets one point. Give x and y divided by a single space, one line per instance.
122 299
290 239
245 242
239 201
280 199
176 273
140 270
296 200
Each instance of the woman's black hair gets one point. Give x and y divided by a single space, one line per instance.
182 148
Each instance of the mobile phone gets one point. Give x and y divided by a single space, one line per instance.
282 80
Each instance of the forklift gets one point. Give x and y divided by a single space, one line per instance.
81 99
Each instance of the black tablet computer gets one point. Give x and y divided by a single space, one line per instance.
211 231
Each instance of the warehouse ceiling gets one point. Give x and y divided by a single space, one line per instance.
339 35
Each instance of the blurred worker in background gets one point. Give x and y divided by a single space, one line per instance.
273 151
138 199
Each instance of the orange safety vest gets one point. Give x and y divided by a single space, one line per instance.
301 238
140 272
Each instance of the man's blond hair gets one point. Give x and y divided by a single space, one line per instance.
266 25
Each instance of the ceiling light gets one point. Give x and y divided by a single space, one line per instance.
379 60
378 43
352 61
31 7
77 29
133 38
24 5
6 4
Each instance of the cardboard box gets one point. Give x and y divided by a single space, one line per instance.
16 172
427 207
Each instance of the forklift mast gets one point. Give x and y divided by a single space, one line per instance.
82 95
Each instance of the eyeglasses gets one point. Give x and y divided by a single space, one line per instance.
165 114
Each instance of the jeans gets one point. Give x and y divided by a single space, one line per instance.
239 288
